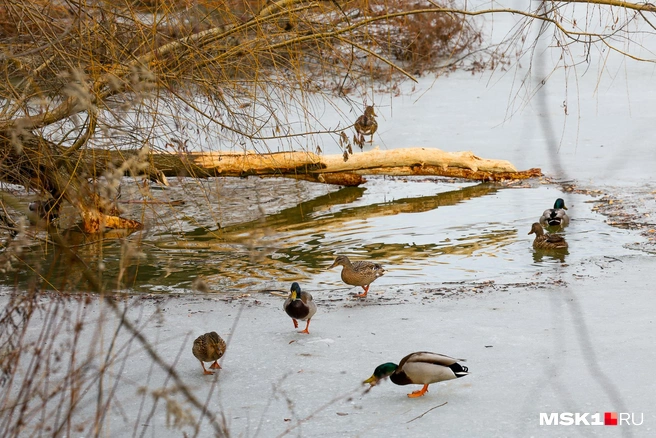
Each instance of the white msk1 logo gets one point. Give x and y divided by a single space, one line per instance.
588 419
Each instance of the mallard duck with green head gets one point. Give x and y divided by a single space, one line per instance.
555 217
359 273
209 348
300 305
366 124
420 368
545 240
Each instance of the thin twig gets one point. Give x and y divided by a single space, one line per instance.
434 407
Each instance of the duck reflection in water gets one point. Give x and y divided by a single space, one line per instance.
540 256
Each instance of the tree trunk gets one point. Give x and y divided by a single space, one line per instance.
329 169
334 169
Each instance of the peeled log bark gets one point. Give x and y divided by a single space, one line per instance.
94 222
455 172
329 169
333 169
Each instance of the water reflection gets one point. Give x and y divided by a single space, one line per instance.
53 267
540 256
331 211
461 233
310 233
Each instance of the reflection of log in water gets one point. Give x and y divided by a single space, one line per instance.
300 216
398 253
296 233
293 244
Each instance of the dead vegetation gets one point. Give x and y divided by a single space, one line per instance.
135 76
62 370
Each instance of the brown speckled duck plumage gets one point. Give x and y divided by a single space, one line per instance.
209 348
546 241
359 273
366 124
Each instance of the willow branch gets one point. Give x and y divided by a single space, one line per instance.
206 38
377 56
647 7
82 139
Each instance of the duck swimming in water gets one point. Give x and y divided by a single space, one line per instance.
546 241
555 218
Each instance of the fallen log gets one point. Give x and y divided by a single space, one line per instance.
335 169
328 169
344 170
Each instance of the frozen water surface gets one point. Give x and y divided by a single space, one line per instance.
564 343
540 334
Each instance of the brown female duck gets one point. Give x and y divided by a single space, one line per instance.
209 348
366 124
546 241
358 273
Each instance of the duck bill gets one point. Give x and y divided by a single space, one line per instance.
371 380
333 265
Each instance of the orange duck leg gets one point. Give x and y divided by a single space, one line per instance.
419 393
364 295
307 326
